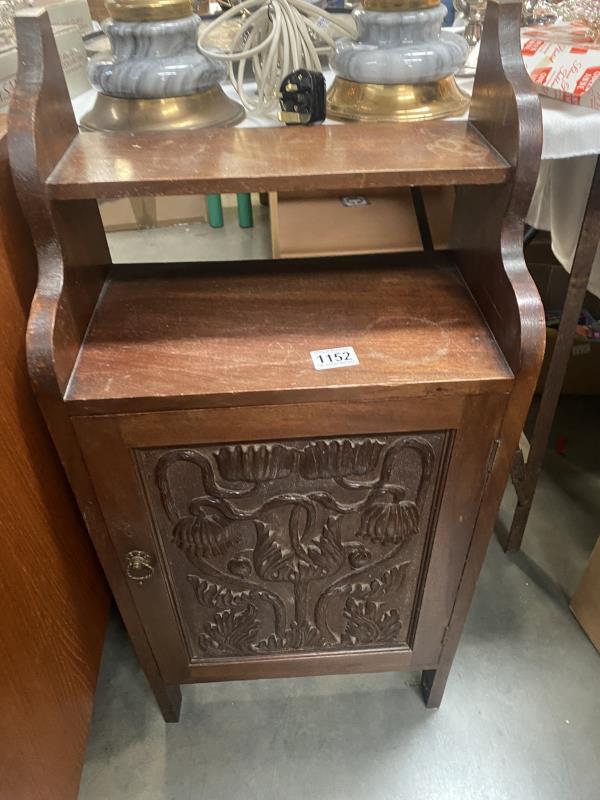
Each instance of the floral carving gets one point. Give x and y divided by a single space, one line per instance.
359 557
250 463
368 624
299 636
339 459
205 535
322 557
231 633
304 545
389 522
240 567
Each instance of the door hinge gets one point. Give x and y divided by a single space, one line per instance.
492 455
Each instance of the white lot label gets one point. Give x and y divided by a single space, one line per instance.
334 357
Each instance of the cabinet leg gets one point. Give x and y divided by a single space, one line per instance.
167 697
433 683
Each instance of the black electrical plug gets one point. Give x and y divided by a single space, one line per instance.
302 98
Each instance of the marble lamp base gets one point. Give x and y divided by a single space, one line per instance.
401 67
154 78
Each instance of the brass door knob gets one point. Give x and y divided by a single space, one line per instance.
140 565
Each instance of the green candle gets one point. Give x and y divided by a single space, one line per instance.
244 205
215 210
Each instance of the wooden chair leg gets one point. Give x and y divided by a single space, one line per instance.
525 478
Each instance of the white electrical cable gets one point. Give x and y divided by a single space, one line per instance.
277 37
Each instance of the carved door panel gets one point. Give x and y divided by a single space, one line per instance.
306 539
308 544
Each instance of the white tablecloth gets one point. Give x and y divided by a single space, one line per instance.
558 206
571 145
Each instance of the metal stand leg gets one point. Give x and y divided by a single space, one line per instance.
525 474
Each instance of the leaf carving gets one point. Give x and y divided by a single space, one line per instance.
299 636
271 561
324 556
367 624
391 581
211 594
232 632
326 551
375 592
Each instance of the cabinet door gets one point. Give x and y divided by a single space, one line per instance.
293 539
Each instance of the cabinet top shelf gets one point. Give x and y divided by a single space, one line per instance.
332 157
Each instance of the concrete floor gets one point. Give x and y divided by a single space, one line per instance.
197 241
520 718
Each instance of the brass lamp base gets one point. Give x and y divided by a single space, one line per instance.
206 109
376 102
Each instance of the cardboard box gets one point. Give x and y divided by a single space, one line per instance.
98 10
179 209
583 372
585 604
564 63
371 222
136 213
61 13
69 12
127 214
72 56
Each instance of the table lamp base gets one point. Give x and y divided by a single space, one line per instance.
206 109
376 102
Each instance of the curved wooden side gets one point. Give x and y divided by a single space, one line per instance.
73 261
489 222
73 255
488 226
488 244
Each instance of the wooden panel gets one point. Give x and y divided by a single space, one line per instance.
325 226
54 600
295 545
439 208
169 428
174 476
119 451
297 665
295 158
240 337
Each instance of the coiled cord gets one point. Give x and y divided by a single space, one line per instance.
277 37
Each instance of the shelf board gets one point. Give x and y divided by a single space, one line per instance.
190 336
296 158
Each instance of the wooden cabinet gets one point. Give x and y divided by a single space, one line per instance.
257 517
318 543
